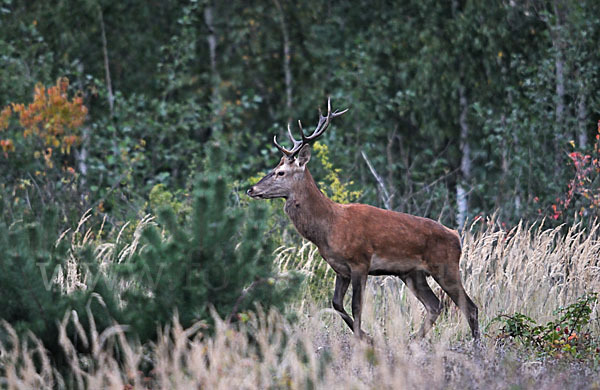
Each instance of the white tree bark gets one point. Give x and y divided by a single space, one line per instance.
582 138
462 193
211 39
109 91
560 89
287 56
81 153
557 35
462 198
384 193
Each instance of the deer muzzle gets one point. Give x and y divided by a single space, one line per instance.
252 193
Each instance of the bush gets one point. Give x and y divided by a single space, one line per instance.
215 256
43 277
36 144
582 198
218 258
564 337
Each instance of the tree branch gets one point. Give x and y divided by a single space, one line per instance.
384 194
111 98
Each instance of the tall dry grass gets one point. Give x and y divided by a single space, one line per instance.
70 277
528 269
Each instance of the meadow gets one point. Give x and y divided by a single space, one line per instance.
530 269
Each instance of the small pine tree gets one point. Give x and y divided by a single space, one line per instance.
220 258
33 262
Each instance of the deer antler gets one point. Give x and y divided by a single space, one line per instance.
320 129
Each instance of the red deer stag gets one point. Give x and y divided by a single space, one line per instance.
358 240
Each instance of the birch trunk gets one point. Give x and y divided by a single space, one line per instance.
211 39
582 138
559 65
287 57
462 198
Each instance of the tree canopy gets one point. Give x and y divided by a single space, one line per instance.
461 107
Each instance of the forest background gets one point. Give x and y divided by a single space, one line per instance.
114 112
462 108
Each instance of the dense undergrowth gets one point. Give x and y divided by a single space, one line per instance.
507 272
212 256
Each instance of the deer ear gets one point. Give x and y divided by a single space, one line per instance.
303 155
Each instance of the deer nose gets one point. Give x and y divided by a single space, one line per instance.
250 191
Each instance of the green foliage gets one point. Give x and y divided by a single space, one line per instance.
160 197
44 277
219 258
149 141
155 111
213 255
564 337
400 70
331 185
582 198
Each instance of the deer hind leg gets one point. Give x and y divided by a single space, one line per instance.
359 281
449 281
417 283
341 286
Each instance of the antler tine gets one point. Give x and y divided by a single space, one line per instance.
338 113
325 120
320 129
301 131
281 148
297 144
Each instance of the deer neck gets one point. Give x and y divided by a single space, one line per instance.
311 212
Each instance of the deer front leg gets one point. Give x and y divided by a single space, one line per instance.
341 286
359 281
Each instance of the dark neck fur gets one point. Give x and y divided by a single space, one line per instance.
311 212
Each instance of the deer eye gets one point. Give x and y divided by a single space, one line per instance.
280 173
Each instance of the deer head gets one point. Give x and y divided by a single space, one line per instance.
288 175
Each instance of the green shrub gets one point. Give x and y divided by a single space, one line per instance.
215 256
43 277
220 257
564 337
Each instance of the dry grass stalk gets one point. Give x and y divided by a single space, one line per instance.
71 278
527 269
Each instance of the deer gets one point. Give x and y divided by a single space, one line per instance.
358 240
